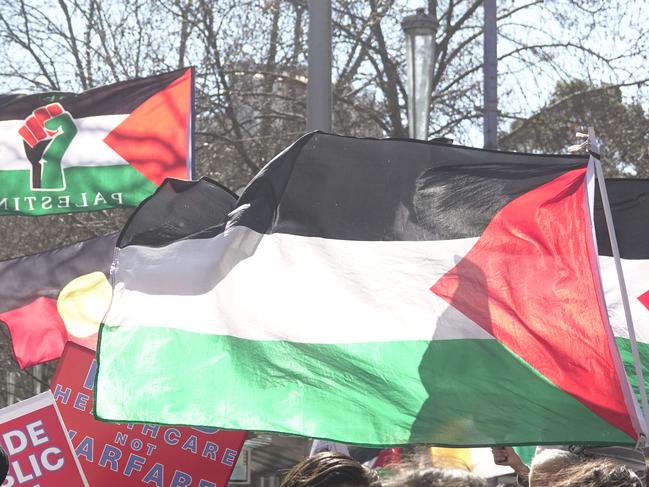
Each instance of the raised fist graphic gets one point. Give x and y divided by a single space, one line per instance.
47 134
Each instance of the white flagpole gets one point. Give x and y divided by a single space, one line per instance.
593 148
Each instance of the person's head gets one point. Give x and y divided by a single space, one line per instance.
592 473
550 461
434 477
328 469
4 465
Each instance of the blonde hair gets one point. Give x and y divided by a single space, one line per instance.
552 460
591 473
433 477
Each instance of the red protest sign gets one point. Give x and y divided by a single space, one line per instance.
136 454
39 450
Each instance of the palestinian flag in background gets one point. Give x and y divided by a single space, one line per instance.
629 200
477 460
104 148
372 292
49 298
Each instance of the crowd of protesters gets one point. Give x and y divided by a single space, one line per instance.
550 468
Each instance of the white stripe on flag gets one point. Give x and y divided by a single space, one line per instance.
86 149
636 277
339 291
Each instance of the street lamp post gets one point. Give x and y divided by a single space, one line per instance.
420 32
318 103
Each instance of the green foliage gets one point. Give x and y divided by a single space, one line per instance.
621 126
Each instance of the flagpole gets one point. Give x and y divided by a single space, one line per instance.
594 151
490 117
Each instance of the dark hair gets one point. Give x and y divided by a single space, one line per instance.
327 469
412 476
4 465
592 473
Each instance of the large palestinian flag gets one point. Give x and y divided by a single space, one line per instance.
375 292
49 298
104 148
629 200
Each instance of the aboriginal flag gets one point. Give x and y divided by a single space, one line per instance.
49 298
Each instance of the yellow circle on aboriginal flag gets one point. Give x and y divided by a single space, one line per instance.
83 302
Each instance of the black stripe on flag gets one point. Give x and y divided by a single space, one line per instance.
368 190
629 200
115 99
179 209
314 188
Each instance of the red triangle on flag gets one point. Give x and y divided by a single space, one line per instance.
644 299
529 282
155 137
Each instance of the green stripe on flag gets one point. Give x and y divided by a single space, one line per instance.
526 453
624 345
87 188
365 393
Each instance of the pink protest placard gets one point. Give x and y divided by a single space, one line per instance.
137 454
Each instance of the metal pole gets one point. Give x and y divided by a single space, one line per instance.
318 103
38 378
11 387
490 128
592 145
